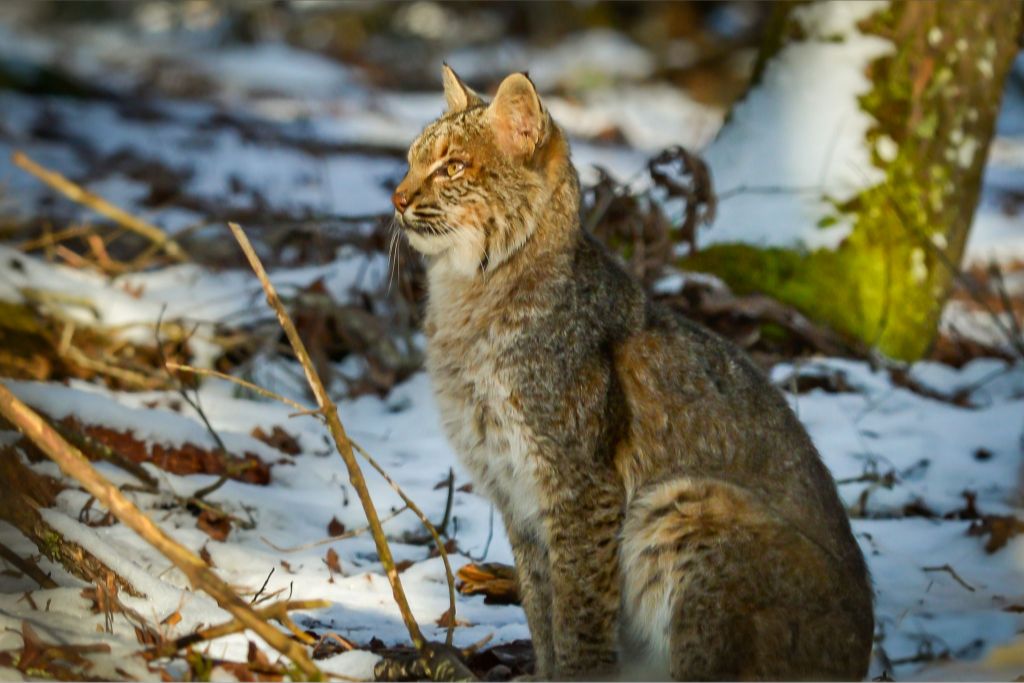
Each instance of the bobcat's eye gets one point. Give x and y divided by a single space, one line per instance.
451 169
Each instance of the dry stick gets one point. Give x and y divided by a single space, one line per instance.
333 539
27 567
266 393
100 205
409 503
196 404
51 238
952 572
76 466
429 527
275 611
341 440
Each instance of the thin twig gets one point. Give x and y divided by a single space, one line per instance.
487 543
275 611
263 587
999 283
448 503
50 238
196 406
951 572
76 193
332 539
337 430
266 393
27 567
76 466
429 527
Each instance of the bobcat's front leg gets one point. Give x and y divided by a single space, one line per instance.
534 578
583 526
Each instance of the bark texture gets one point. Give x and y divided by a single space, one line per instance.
934 101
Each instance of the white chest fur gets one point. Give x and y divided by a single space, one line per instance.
477 399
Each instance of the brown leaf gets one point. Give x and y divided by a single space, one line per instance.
32 648
403 565
187 458
205 555
279 439
256 657
331 644
335 528
147 636
446 620
495 581
245 671
171 619
999 529
37 655
214 524
333 563
451 547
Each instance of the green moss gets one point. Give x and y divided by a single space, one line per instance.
886 283
51 541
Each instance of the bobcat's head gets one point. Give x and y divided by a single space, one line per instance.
481 174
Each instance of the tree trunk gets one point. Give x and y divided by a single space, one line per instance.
849 175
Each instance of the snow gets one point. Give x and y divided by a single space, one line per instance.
889 447
929 445
577 61
816 153
275 67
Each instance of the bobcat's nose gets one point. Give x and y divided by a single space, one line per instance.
400 200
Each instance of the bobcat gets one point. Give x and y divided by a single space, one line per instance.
665 507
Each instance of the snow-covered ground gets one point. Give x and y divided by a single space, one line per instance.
904 459
892 450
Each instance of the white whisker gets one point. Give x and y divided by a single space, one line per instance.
393 255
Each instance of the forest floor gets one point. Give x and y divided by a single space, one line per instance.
303 151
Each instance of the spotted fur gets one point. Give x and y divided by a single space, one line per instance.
664 505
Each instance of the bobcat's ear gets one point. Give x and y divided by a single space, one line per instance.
458 95
517 116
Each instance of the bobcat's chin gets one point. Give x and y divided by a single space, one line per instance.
461 249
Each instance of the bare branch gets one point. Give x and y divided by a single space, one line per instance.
76 193
341 440
27 567
199 574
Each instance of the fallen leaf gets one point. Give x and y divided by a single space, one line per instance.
214 524
279 439
999 529
446 620
333 563
495 581
451 547
172 619
335 528
331 644
205 554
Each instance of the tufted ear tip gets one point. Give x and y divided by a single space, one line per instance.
457 94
